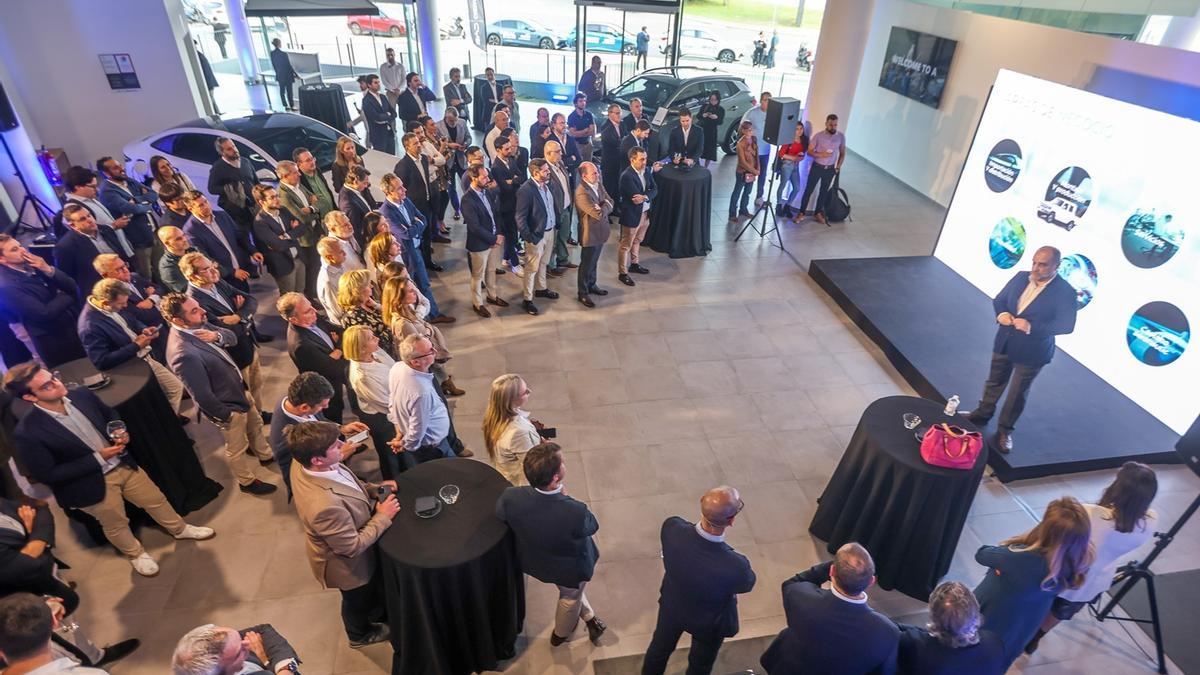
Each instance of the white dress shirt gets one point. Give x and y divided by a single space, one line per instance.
327 288
415 408
369 380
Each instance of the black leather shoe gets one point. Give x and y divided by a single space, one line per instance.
555 640
556 271
434 267
586 301
118 651
441 239
546 293
530 308
1004 442
258 488
638 269
626 279
259 336
499 302
596 290
596 628
501 270
571 265
266 462
380 634
482 312
266 417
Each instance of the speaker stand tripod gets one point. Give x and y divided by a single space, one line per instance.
767 208
40 210
1139 570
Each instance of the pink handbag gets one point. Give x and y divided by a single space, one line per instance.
950 446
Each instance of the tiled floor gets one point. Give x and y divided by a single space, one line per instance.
733 368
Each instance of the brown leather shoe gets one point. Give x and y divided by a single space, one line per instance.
482 312
820 218
443 318
466 452
449 389
499 302
1004 442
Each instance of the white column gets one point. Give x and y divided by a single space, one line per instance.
1183 32
837 59
430 45
243 41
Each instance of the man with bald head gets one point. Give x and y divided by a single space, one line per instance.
702 578
1031 309
834 630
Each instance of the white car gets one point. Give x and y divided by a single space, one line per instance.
264 139
697 43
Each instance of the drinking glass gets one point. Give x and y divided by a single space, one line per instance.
911 421
116 431
449 493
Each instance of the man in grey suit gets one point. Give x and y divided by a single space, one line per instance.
554 538
258 649
343 517
196 354
538 206
594 206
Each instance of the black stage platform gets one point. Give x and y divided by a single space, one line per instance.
937 329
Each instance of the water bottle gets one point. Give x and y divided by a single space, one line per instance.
951 406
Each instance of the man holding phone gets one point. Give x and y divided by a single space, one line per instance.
828 150
343 517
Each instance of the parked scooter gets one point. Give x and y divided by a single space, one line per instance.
804 58
454 31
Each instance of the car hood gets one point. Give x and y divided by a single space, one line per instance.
379 163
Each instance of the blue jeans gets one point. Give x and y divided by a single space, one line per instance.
416 270
764 164
788 175
740 189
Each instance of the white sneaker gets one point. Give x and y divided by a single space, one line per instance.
518 270
196 532
144 565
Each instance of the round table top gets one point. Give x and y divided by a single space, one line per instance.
669 173
462 531
884 425
127 379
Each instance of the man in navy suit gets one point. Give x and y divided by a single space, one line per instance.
277 232
143 296
508 179
485 241
196 352
416 171
554 539
352 201
124 197
686 140
636 138
308 397
538 206
63 442
702 578
835 630
315 345
42 299
380 116
1031 309
214 234
410 104
637 191
285 74
83 241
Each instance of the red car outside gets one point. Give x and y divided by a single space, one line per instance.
361 24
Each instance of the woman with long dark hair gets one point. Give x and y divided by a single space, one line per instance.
1122 521
1026 572
163 172
711 116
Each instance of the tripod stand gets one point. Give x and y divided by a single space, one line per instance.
40 210
767 207
1136 571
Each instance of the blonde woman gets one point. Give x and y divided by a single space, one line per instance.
355 296
396 268
508 432
382 249
345 156
399 312
369 368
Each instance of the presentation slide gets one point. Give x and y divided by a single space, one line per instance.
1111 185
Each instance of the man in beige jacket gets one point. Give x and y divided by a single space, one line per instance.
594 206
342 520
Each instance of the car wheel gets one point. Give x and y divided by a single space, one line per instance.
355 29
546 43
493 39
395 31
729 145
726 56
629 49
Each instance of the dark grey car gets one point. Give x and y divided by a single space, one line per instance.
678 87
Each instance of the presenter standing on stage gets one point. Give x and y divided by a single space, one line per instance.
1031 309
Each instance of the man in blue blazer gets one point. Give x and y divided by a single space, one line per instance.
77 249
196 352
835 630
408 225
638 190
554 539
485 241
124 197
702 578
63 442
214 234
380 117
538 206
1031 309
42 299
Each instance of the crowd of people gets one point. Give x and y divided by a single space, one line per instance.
155 274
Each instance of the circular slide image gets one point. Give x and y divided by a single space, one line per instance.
1158 333
1080 272
1003 165
1067 198
1007 243
1150 239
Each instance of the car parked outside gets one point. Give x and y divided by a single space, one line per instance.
381 24
696 43
603 37
522 33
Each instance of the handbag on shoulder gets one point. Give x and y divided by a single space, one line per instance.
951 446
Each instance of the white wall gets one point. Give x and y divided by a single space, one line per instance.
925 148
50 49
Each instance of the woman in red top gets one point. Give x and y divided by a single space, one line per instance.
791 158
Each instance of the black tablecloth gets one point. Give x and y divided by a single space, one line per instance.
455 592
907 513
680 217
156 440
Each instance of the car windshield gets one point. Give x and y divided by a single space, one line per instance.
654 90
539 27
280 134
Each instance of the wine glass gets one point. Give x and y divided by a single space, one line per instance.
118 434
911 420
449 493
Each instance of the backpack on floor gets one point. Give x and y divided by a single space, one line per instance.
837 208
